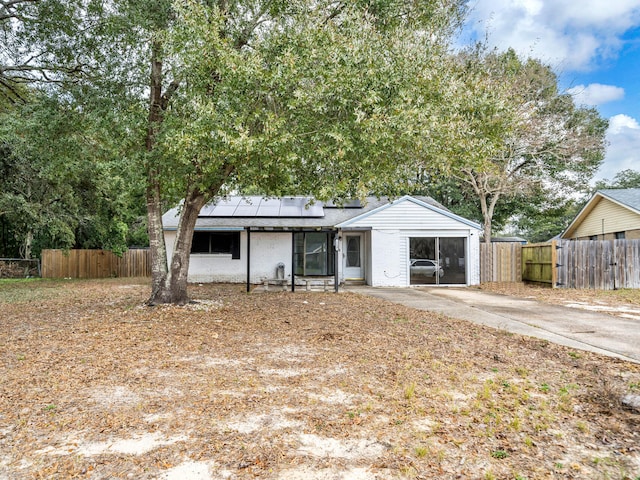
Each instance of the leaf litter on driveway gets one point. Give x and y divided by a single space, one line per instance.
284 386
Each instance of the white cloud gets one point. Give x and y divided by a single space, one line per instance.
595 94
568 35
623 152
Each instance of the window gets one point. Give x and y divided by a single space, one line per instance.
219 243
620 236
314 253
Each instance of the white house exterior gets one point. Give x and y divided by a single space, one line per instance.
246 239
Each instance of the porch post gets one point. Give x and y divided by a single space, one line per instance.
293 261
336 260
248 259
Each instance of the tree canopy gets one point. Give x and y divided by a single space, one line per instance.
62 185
185 101
521 139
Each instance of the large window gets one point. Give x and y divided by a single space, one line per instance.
437 260
314 253
217 243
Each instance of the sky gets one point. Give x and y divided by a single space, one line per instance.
594 48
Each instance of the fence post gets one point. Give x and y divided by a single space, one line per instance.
554 263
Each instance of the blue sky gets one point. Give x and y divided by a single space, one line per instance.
594 48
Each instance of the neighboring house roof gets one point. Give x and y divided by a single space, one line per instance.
236 213
508 240
626 198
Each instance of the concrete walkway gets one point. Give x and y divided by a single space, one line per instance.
579 329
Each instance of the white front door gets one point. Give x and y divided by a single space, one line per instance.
353 256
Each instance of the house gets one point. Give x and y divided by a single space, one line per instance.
253 239
609 214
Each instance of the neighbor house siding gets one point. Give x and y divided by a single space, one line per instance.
616 219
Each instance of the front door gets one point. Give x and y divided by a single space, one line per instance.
354 258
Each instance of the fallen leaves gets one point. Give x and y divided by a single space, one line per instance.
282 385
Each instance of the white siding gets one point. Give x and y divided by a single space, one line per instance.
386 260
407 215
473 254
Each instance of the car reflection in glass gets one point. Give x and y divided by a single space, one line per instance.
425 267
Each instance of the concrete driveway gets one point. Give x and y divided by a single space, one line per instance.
579 329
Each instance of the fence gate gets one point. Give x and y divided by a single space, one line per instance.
598 264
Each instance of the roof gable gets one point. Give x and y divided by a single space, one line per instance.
408 207
627 197
623 200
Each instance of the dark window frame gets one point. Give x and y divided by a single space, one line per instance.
216 243
301 253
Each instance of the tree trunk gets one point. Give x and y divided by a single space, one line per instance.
175 286
159 269
486 218
25 248
157 245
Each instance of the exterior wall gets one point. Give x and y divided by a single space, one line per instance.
632 234
389 248
473 254
387 266
616 219
390 255
267 250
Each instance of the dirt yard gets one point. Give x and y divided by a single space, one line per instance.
623 302
313 386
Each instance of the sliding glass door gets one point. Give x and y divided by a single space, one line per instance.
437 261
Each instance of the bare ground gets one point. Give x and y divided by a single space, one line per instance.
294 386
622 302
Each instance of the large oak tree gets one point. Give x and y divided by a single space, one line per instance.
520 140
324 98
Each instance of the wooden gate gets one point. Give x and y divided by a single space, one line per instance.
598 264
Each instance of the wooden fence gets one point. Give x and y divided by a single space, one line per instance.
596 264
95 264
500 262
539 263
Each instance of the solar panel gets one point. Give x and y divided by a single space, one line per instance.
292 207
268 211
224 211
246 211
